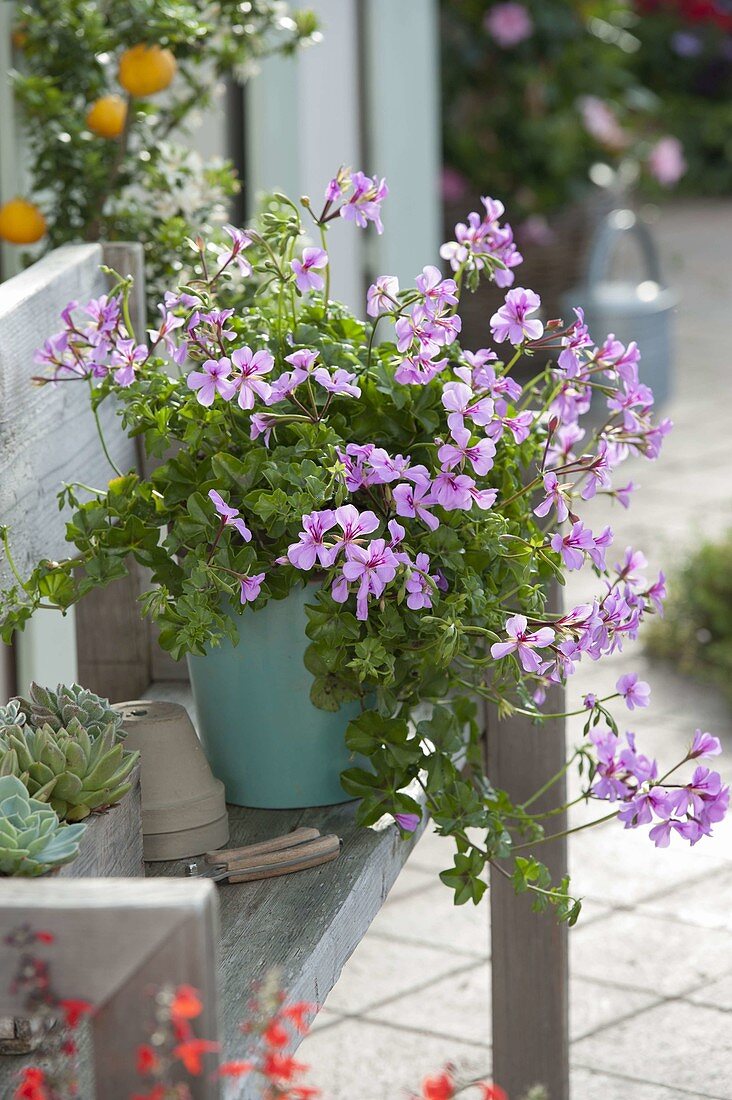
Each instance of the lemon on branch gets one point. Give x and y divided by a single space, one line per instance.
106 116
21 222
145 70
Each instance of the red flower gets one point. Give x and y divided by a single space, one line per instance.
157 1093
74 1011
297 1014
441 1087
235 1069
191 1054
32 1085
187 1004
147 1059
275 1035
492 1092
45 937
303 1092
281 1067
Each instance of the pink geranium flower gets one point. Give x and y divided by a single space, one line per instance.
306 275
250 587
512 321
250 382
213 377
523 642
229 515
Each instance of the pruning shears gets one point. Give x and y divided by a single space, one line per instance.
281 855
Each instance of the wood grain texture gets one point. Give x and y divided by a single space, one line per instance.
113 640
114 939
112 844
530 969
304 925
47 435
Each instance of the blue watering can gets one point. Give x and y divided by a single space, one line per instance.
639 310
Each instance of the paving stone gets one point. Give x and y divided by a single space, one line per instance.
621 866
675 1044
363 1060
410 880
594 1005
433 853
433 919
326 1018
459 1006
587 1085
705 903
380 969
648 953
715 994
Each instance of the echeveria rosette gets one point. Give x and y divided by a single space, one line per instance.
430 498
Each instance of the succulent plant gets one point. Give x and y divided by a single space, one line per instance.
12 714
67 767
32 840
57 708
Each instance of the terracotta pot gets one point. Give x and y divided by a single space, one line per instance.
183 805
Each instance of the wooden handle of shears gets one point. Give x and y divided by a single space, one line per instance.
312 854
275 844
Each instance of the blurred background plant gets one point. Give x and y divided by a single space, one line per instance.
696 634
685 55
110 93
542 96
544 109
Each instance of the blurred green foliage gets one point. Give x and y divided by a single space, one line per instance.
686 57
696 633
514 118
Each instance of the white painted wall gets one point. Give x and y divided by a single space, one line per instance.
10 179
305 116
303 123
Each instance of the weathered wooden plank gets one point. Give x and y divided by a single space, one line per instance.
113 642
7 673
114 940
530 970
304 925
112 844
47 436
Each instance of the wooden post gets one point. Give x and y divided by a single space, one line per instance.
112 639
529 951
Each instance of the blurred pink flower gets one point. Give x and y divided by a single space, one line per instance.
666 161
508 24
601 122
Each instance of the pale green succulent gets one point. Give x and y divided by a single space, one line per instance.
12 714
73 771
32 840
57 708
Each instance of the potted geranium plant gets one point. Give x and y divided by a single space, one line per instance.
364 530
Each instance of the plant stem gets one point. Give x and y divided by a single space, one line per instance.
100 433
326 292
550 782
9 556
566 832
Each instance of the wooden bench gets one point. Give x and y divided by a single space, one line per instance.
308 924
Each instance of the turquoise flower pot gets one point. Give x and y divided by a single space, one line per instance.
263 737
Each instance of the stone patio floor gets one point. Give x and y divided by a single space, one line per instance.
651 957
